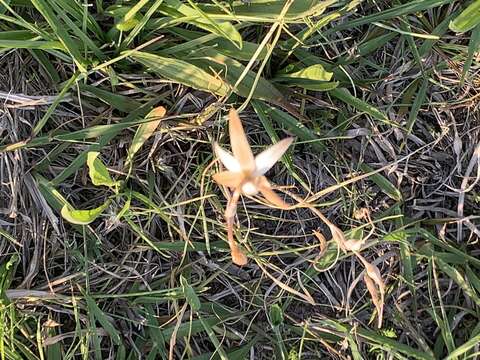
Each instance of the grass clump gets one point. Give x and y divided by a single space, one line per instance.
113 242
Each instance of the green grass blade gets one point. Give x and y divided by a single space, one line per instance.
213 338
103 320
141 24
409 7
416 106
54 105
120 102
31 44
383 183
473 47
62 35
291 124
345 96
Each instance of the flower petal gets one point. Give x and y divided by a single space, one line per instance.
228 178
240 146
227 159
271 196
267 158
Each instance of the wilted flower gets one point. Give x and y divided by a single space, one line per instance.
245 175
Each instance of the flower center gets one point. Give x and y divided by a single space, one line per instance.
249 188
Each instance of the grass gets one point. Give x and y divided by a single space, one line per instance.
113 242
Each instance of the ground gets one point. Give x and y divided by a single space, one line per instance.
382 98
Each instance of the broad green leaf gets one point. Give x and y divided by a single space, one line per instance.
468 18
182 72
81 217
190 294
197 40
268 11
314 72
98 171
31 44
16 35
224 29
311 85
313 77
276 315
145 130
231 70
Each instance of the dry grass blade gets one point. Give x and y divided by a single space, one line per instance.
306 296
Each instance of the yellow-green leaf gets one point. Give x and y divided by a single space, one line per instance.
315 72
127 25
97 171
81 217
146 130
468 18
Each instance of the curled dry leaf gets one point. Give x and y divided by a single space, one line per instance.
353 245
338 236
323 244
50 323
376 298
245 175
373 279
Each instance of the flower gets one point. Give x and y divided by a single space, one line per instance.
245 175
